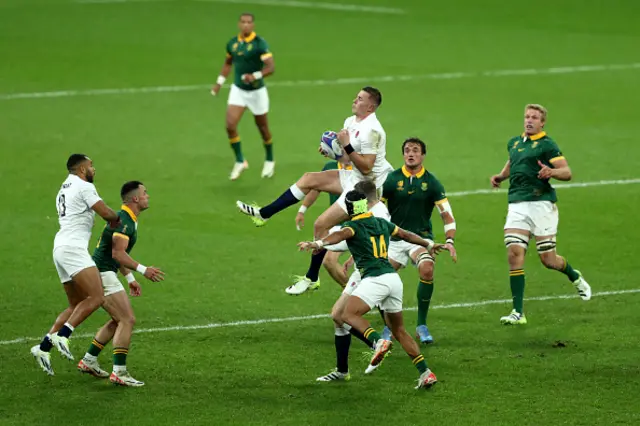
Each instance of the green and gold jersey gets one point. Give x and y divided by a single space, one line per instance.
334 165
411 199
128 229
248 55
524 153
369 243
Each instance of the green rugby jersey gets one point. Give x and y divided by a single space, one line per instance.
369 243
334 165
128 229
248 55
412 198
524 153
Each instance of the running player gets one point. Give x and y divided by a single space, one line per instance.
534 158
368 239
111 254
76 202
412 193
249 54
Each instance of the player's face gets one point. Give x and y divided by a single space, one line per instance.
143 198
89 171
533 123
246 25
413 156
362 104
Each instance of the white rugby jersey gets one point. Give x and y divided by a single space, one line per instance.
368 137
74 202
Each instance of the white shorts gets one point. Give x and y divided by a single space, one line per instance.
353 283
538 217
341 246
256 100
401 252
110 283
384 291
348 182
70 260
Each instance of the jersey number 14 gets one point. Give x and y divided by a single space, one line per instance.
379 250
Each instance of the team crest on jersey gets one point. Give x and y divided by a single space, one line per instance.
249 48
534 144
516 144
424 186
400 185
234 47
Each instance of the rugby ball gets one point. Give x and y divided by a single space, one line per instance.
330 146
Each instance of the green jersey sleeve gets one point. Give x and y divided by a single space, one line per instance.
437 192
263 49
125 229
388 188
330 165
392 227
551 152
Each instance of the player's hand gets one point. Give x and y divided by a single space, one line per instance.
545 172
154 274
114 224
343 137
299 221
437 248
215 89
307 246
324 154
347 265
248 78
135 289
496 180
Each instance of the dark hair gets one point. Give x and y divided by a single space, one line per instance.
375 95
368 188
253 18
352 198
75 160
129 187
417 141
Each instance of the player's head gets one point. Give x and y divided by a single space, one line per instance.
368 188
535 117
356 203
81 166
367 101
246 23
134 192
413 151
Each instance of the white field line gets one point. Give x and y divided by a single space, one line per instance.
334 82
280 3
324 316
556 185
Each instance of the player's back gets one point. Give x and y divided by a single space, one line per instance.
369 137
369 243
75 216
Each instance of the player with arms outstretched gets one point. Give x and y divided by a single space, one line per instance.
77 202
111 255
364 142
368 238
249 54
534 158
412 193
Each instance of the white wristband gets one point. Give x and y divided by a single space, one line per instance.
130 278
319 243
141 268
221 79
302 209
258 75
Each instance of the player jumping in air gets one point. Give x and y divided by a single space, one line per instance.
534 158
249 54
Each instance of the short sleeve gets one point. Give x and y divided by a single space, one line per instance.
393 228
330 165
125 229
437 192
228 51
263 49
388 187
90 195
552 152
350 225
371 142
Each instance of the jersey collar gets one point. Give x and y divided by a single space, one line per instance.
130 212
362 216
249 38
536 136
407 173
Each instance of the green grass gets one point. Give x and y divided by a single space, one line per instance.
221 269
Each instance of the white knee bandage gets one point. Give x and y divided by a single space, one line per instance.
517 240
424 257
547 245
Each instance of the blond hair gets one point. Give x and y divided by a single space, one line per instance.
537 107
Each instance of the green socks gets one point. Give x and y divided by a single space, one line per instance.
237 149
425 291
516 278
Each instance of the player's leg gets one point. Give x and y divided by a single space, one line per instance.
236 105
425 264
258 104
327 181
545 230
342 342
331 263
89 363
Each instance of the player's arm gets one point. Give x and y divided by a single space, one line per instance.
446 214
412 238
105 211
268 66
333 238
224 73
363 162
134 287
119 254
496 180
307 202
560 169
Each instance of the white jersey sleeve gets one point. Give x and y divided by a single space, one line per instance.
89 194
75 216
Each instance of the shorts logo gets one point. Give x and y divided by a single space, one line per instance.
424 186
353 284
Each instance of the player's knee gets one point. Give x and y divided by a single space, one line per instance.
112 324
425 269
129 320
548 259
336 316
